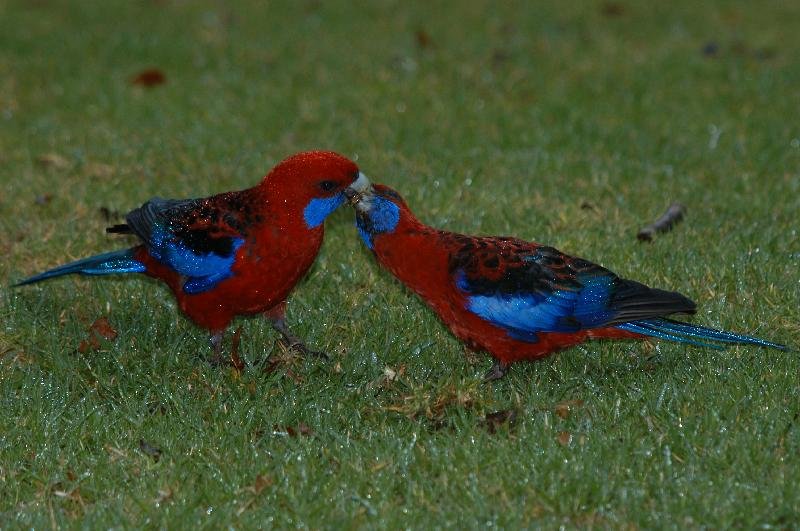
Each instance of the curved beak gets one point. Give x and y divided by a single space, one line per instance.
358 190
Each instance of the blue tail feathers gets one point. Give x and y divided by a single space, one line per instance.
693 334
102 264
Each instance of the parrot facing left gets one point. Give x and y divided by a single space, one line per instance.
235 253
518 300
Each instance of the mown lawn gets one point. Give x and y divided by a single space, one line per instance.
573 125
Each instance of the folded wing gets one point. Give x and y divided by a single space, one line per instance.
197 238
527 289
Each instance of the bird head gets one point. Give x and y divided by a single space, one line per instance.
379 209
313 181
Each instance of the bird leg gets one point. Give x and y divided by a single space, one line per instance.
216 346
291 341
498 370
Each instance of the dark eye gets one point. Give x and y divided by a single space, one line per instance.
327 186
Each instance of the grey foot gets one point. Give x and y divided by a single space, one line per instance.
291 341
216 359
498 370
300 347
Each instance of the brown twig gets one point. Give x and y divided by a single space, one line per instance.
673 215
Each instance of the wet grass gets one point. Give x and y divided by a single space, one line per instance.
574 126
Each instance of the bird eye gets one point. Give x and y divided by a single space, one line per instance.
327 186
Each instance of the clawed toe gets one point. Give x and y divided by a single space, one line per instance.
292 342
218 361
301 348
498 370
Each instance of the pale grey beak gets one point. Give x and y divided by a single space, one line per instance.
357 192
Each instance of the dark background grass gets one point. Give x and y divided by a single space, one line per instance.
490 119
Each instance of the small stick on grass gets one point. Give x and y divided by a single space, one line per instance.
673 215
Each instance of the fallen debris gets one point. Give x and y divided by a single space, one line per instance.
672 216
150 450
494 420
100 329
301 429
150 77
53 160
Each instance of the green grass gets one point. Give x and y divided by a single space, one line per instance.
508 121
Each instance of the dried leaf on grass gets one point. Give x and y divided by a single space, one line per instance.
612 9
301 429
115 454
494 420
563 409
53 160
261 482
423 39
164 495
72 495
433 407
100 329
149 77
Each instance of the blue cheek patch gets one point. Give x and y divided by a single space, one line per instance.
382 217
318 209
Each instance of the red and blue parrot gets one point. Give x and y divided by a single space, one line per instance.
236 253
514 299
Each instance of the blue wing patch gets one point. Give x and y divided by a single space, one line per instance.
196 238
203 270
195 285
188 263
523 314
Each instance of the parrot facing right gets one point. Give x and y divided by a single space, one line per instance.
236 253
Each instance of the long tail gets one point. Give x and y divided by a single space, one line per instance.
103 264
692 334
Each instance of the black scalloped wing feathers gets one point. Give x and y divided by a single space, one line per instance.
197 238
527 287
203 226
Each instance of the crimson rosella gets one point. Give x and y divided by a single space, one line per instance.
515 299
235 253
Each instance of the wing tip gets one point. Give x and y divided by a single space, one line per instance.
120 228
